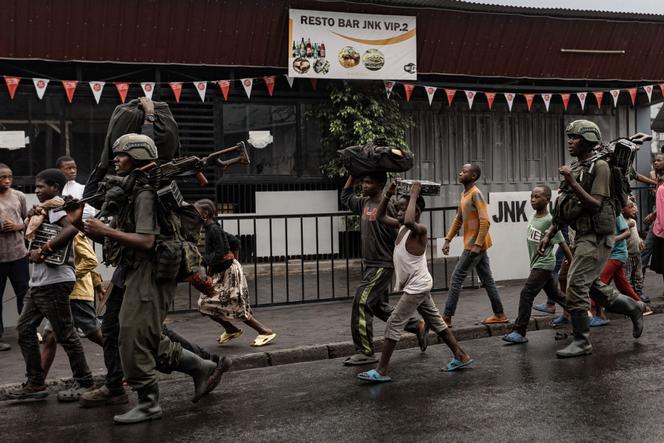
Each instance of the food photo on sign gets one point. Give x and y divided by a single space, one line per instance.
354 46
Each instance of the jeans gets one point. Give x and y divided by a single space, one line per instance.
18 272
52 302
537 280
110 332
466 263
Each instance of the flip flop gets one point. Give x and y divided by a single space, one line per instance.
226 337
455 364
360 360
262 340
494 320
373 377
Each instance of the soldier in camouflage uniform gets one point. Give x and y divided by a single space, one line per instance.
131 241
585 204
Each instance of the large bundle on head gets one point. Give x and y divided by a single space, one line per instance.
375 157
128 118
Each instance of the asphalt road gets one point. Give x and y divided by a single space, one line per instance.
513 393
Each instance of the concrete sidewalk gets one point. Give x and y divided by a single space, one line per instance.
306 332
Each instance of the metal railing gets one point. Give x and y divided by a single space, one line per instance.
305 258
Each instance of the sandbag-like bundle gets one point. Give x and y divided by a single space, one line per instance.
129 118
374 157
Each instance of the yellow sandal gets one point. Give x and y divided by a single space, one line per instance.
262 340
226 337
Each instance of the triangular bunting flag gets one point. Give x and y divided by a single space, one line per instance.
547 100
12 84
470 95
565 98
148 89
247 84
176 87
431 91
615 93
123 89
648 89
632 94
201 87
97 88
529 100
490 97
388 88
70 87
450 96
408 88
582 98
314 83
598 96
509 96
224 85
40 86
290 80
661 88
269 83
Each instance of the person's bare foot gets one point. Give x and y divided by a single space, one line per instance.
448 320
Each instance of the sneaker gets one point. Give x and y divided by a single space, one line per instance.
645 299
559 321
546 308
4 346
28 391
448 320
515 338
598 321
103 396
73 392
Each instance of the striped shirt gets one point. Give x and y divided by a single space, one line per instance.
473 216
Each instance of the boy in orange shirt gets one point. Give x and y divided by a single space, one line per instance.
473 216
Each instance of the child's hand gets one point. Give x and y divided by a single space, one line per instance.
415 189
642 245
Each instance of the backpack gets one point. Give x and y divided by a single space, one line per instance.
374 157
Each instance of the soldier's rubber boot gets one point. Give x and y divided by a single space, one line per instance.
204 373
147 408
581 332
628 306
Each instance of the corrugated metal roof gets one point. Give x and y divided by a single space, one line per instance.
462 5
254 33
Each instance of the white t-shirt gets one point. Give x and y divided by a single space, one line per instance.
76 190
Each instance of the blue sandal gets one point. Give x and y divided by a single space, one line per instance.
373 376
456 364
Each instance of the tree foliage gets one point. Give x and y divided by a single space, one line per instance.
354 114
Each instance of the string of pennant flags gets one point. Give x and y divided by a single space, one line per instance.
148 88
529 97
201 87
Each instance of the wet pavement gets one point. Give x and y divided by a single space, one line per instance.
296 325
512 393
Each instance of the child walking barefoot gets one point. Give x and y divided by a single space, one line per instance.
414 279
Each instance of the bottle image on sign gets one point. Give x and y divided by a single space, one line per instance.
309 48
322 50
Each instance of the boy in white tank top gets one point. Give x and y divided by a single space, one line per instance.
414 279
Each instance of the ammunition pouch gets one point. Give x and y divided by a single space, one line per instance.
604 220
169 258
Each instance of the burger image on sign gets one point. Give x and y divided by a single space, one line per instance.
349 57
373 59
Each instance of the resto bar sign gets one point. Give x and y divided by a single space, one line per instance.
354 46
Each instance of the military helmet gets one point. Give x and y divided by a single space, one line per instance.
584 129
136 146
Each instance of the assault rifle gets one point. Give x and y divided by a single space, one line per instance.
113 190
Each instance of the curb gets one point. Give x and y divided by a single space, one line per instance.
302 354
